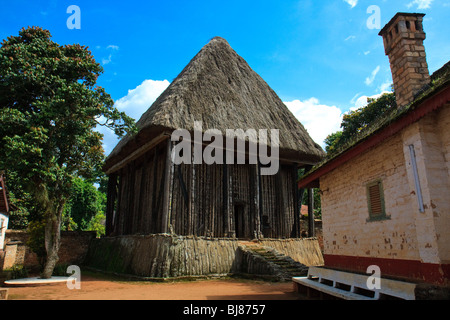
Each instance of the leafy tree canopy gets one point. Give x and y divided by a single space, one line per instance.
49 108
85 203
356 121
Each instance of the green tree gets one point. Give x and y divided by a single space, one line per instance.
97 224
317 202
332 141
356 121
49 108
85 203
85 209
36 240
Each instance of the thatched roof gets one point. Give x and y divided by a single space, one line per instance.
220 89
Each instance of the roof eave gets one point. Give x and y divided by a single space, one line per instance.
437 99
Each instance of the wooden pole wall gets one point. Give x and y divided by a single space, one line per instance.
155 196
295 195
111 203
167 188
256 201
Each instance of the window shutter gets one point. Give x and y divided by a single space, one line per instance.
375 201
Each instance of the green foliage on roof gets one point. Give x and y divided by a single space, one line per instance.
357 127
357 121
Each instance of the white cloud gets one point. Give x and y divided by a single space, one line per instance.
421 4
112 47
352 3
361 101
139 99
105 61
320 120
369 80
134 104
355 98
350 38
385 86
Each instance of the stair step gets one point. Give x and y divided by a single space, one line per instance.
287 268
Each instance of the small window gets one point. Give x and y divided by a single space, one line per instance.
418 25
375 201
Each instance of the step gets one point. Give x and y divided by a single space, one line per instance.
287 269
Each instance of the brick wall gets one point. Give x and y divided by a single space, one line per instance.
409 241
346 230
403 41
74 246
431 139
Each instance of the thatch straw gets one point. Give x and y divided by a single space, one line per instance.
220 89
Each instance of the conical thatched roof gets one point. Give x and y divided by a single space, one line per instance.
220 89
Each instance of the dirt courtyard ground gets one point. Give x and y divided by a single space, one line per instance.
100 287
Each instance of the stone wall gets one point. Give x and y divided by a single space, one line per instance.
165 256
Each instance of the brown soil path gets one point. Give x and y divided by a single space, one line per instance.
99 287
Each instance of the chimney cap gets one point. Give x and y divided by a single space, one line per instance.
403 14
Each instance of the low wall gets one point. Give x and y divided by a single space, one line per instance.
167 256
306 251
74 246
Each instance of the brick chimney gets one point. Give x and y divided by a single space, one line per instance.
403 40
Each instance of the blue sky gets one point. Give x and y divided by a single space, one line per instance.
320 57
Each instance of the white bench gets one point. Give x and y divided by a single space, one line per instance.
352 286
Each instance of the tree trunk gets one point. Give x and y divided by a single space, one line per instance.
52 240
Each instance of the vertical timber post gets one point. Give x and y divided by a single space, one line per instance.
116 224
192 208
261 206
110 204
171 186
295 233
311 232
230 208
257 214
226 226
167 184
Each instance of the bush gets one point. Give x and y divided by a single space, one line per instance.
17 272
36 241
60 270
